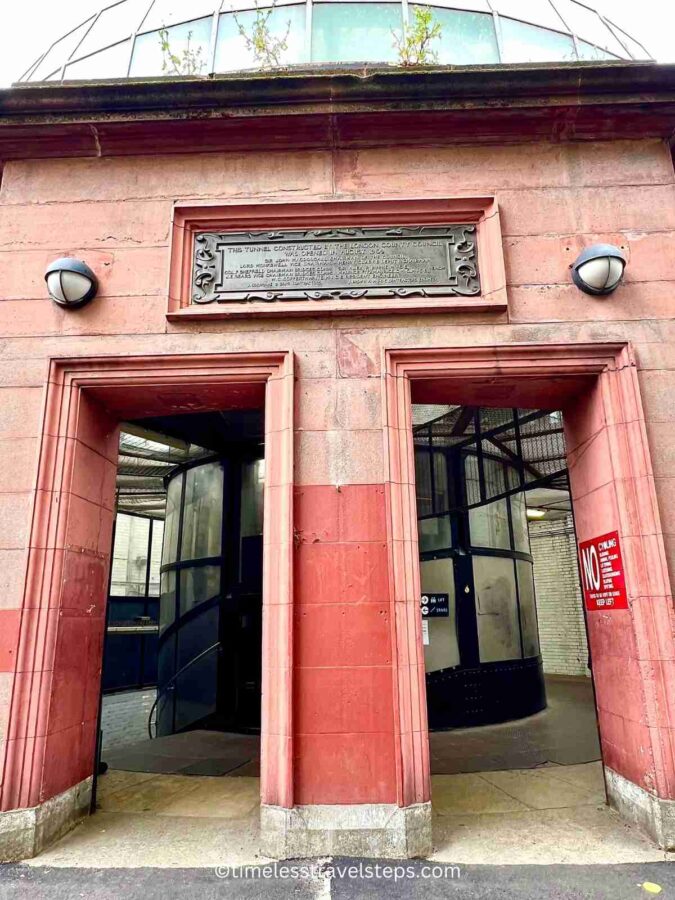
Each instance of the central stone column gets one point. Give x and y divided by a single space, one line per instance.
347 730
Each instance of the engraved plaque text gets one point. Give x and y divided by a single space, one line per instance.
343 263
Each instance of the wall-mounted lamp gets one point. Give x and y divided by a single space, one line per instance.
70 282
599 269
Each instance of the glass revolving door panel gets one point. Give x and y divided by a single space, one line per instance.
209 669
190 600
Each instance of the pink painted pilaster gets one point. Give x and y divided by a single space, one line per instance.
633 652
56 685
276 733
413 770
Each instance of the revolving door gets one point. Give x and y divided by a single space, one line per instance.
210 632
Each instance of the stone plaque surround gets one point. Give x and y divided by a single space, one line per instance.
337 257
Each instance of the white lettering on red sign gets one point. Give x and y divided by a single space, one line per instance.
602 574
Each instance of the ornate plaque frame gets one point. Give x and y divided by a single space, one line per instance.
474 280
454 246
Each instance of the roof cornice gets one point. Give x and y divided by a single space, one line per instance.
339 107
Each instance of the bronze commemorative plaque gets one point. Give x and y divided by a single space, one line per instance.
340 263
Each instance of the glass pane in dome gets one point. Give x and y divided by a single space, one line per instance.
173 12
355 32
189 42
588 25
534 12
60 52
636 50
589 51
466 38
529 43
470 5
115 24
286 25
110 63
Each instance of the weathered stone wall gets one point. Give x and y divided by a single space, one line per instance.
116 214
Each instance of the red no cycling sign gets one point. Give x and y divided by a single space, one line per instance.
602 575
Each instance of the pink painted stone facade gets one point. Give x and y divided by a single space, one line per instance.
343 630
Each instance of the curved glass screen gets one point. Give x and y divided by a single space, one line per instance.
473 535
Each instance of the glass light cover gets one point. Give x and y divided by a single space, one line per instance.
68 287
603 273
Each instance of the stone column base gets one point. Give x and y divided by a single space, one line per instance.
375 830
26 832
653 814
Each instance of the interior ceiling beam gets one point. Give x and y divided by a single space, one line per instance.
147 434
463 420
526 464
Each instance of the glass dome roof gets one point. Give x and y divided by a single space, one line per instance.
140 38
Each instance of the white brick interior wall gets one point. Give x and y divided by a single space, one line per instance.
124 717
562 632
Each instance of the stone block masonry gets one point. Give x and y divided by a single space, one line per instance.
340 643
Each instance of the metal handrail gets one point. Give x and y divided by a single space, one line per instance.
169 685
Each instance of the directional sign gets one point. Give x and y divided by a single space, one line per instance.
602 575
435 606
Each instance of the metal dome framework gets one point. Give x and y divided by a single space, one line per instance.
123 39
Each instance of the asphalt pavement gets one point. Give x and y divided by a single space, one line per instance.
343 878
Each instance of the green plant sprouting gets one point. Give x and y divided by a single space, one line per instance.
266 47
189 62
413 43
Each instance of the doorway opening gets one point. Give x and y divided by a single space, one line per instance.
510 700
87 400
182 664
